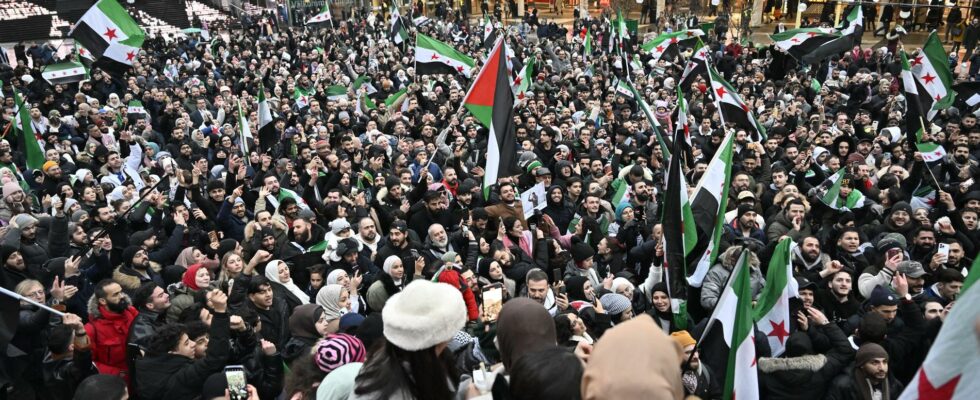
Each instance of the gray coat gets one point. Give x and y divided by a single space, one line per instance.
714 282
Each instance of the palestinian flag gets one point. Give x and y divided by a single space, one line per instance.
489 33
302 98
243 129
267 128
734 312
587 44
772 308
110 34
135 109
491 101
680 236
850 35
682 128
434 57
733 109
833 196
523 80
950 369
709 205
931 69
697 66
667 43
65 72
336 92
799 42
365 82
323 16
28 140
398 32
651 118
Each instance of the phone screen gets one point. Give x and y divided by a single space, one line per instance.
235 375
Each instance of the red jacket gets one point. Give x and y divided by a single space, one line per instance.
452 277
107 332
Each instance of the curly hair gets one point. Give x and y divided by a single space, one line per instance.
166 339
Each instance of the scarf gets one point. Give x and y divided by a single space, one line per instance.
189 279
272 272
329 298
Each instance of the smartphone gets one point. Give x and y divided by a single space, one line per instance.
213 235
235 375
943 249
892 252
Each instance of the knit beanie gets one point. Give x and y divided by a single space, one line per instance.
129 253
581 251
423 315
868 352
338 350
614 303
10 188
683 338
744 208
449 257
24 221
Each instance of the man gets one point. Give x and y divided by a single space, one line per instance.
110 316
837 301
152 301
697 378
135 270
807 291
439 242
234 216
68 360
870 378
946 288
537 289
790 222
744 227
399 244
367 235
118 171
433 212
272 312
810 261
509 206
22 236
106 387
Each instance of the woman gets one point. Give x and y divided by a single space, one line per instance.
193 284
661 311
340 277
491 273
34 325
283 286
307 325
335 300
191 255
523 326
234 278
581 297
390 282
618 307
413 362
515 235
571 330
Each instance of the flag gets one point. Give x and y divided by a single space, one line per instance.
772 307
682 129
523 80
491 101
709 205
65 72
931 69
680 236
651 118
833 196
799 42
400 95
950 370
267 129
697 66
110 34
967 95
336 92
489 33
323 16
135 109
421 21
587 44
27 139
916 102
850 35
734 312
732 108
83 53
435 57
364 81
623 88
398 32
667 43
301 97
623 192
243 129
924 196
931 151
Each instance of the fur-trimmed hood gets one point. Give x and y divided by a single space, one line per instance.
93 306
807 363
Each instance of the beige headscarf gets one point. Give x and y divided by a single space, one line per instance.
636 345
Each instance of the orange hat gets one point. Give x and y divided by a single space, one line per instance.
683 338
48 165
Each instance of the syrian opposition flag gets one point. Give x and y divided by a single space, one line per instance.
623 88
365 82
267 128
434 57
83 53
850 34
587 44
323 16
523 80
274 200
66 72
651 118
931 69
666 44
833 198
489 33
734 312
336 92
709 205
135 109
28 140
108 32
733 109
302 98
491 101
682 128
680 236
696 66
931 151
799 42
398 32
399 96
244 130
772 308
950 369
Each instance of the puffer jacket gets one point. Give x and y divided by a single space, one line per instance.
108 333
181 298
714 281
807 376
783 225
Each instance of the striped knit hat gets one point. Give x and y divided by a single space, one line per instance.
338 350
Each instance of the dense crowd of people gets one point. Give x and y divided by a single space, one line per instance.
353 252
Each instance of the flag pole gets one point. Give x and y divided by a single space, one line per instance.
931 174
17 296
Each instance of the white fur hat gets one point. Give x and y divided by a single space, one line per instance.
423 315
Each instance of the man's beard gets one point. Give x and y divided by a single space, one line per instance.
808 257
642 196
119 307
440 243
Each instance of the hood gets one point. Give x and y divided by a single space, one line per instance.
730 257
808 363
563 196
93 306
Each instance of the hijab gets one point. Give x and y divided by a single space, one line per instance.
390 262
329 298
189 279
575 286
333 276
273 275
303 321
186 257
642 345
666 315
524 326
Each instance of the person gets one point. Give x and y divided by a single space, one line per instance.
946 288
283 285
698 379
272 311
523 327
418 323
68 360
548 373
335 301
100 386
110 318
870 377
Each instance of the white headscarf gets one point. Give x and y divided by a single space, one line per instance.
272 272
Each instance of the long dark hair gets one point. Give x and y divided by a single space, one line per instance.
383 374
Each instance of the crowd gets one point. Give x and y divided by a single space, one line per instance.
353 252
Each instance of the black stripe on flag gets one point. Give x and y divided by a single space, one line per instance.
90 39
434 68
503 119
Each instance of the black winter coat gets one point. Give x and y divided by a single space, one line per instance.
805 377
175 377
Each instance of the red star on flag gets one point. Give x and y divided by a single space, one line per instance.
721 91
81 51
660 49
937 153
518 80
916 61
130 56
928 78
435 56
459 68
929 392
110 34
812 34
939 98
778 331
689 33
673 40
794 40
